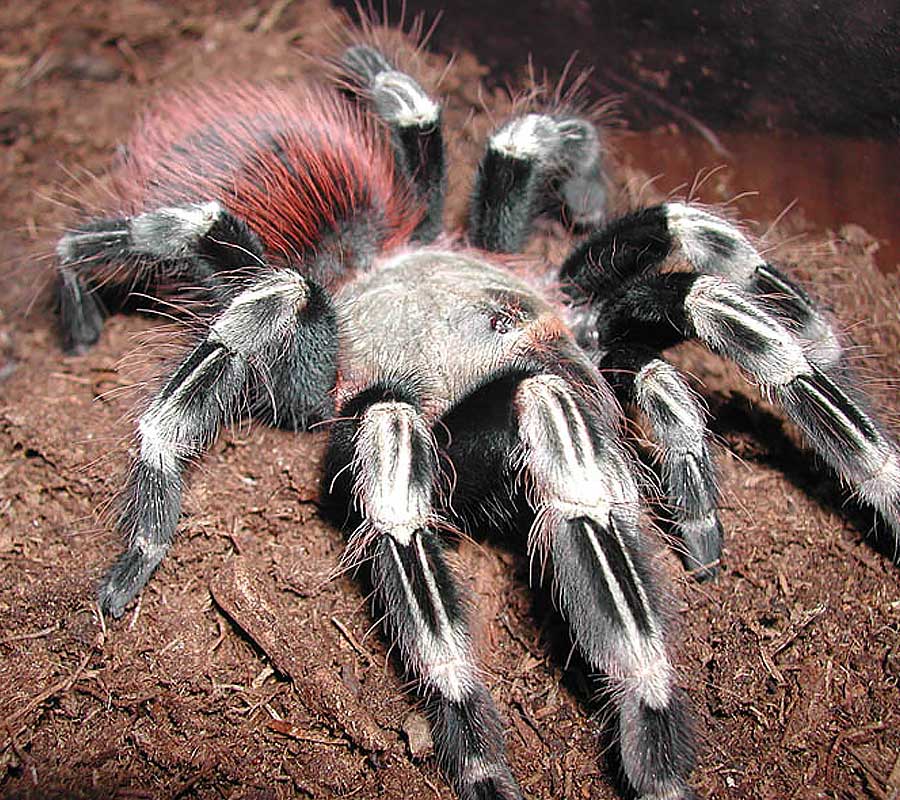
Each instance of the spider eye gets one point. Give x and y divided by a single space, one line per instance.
507 317
500 323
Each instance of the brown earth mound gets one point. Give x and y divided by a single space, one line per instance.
244 671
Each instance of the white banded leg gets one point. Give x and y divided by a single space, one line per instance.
527 161
185 416
676 421
393 468
587 505
836 424
715 246
110 258
414 120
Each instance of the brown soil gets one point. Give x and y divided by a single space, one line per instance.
244 671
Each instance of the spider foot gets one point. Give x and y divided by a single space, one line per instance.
531 164
126 578
471 751
702 547
361 63
657 747
80 314
397 97
151 504
414 120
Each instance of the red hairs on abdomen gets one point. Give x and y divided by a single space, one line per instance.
307 171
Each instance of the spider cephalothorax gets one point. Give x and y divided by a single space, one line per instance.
309 223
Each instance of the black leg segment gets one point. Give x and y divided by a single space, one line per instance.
531 162
414 120
622 250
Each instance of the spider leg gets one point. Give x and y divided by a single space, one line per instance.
390 448
103 261
638 243
527 161
715 246
414 120
279 312
671 307
587 503
640 377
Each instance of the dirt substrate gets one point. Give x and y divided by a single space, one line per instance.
246 671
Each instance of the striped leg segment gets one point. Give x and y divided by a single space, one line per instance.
103 261
676 421
529 163
837 425
715 246
204 393
637 244
587 505
731 322
414 120
393 472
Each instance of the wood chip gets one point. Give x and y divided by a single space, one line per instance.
247 598
418 736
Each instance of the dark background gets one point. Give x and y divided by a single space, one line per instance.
827 67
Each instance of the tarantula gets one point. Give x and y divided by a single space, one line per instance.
309 222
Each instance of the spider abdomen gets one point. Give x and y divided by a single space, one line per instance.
312 176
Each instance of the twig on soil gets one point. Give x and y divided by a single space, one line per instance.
286 729
220 638
35 635
137 612
101 619
520 640
204 772
350 638
808 618
844 736
431 786
63 376
529 720
243 596
873 779
250 710
767 661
